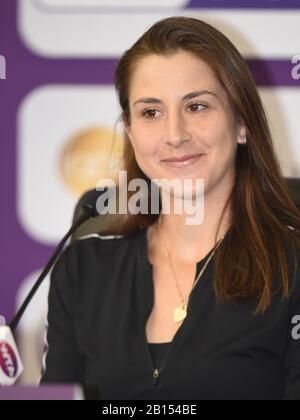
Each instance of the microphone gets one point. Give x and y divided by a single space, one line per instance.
11 366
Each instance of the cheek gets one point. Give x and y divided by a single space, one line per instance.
220 143
145 144
225 152
222 135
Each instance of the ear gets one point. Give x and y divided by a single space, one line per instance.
241 134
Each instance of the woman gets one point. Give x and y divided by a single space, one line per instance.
160 309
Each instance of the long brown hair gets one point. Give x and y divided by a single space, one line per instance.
263 214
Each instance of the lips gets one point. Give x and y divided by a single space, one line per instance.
184 161
182 158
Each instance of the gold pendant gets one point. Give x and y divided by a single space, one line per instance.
180 312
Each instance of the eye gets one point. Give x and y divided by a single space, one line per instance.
149 113
196 106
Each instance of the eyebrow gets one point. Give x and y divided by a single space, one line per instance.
190 95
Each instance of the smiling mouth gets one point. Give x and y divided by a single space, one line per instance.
183 163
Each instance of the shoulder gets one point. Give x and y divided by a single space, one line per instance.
98 241
94 248
82 260
101 237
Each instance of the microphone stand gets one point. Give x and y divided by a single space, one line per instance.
10 362
88 213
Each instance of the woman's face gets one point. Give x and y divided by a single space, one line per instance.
164 124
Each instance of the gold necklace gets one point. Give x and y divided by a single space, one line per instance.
180 312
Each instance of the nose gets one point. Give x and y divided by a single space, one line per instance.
175 131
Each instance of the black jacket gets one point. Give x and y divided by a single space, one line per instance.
100 297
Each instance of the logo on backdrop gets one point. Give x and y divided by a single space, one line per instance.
8 360
2 67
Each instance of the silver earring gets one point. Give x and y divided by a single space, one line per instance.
244 142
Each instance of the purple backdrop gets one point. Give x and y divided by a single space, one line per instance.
20 254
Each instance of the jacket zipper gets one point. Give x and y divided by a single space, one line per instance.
156 372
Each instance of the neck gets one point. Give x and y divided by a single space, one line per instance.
190 243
